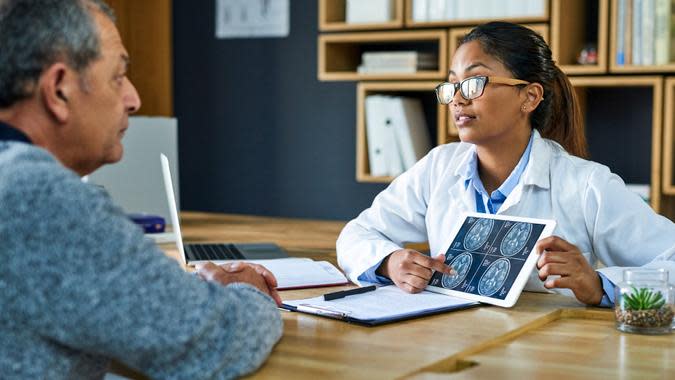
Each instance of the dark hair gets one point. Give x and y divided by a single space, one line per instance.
528 57
37 33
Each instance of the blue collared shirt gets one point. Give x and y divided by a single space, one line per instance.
491 203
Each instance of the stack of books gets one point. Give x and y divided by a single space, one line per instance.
396 133
444 10
396 62
644 33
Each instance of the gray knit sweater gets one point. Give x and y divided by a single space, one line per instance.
79 285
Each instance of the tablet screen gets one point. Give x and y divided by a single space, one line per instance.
488 253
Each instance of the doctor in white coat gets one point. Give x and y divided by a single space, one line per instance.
521 154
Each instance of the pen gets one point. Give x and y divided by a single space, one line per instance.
318 310
350 292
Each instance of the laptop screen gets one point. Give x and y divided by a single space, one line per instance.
168 185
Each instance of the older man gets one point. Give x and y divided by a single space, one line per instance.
78 283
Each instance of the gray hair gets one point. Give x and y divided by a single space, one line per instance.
34 34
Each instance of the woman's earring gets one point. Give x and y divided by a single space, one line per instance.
523 108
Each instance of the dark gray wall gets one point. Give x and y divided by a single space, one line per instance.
259 134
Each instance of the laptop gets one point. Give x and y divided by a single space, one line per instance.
195 253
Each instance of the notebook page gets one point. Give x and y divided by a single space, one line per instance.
300 272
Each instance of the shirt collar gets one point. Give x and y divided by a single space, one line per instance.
468 170
9 133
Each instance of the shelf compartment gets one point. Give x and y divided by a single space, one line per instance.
603 118
332 17
544 17
435 113
630 69
340 54
569 35
669 138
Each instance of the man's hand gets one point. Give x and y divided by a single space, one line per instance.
252 274
411 270
558 257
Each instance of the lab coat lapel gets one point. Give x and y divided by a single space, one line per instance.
462 198
537 173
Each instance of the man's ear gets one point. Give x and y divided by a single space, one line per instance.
56 85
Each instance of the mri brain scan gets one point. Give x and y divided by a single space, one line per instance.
461 264
478 234
494 277
515 239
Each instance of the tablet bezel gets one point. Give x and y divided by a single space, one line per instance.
521 279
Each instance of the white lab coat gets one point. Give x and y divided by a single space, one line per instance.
592 206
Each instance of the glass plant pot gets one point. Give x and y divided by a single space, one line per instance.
644 302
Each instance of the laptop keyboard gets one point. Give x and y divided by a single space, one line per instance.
213 252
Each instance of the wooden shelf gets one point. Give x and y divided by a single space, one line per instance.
569 35
656 84
630 69
669 138
332 17
390 88
409 22
340 54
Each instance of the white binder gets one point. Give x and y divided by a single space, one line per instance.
383 152
410 129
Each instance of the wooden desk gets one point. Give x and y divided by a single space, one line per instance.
543 335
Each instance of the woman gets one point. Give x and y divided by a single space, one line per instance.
520 154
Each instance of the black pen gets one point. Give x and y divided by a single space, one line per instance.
350 292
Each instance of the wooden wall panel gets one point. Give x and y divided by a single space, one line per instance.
146 29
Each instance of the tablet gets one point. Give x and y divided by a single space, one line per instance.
492 256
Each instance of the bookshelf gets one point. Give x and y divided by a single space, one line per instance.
614 67
568 26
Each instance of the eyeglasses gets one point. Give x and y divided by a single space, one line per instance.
471 88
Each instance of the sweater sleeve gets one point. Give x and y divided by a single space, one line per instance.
77 272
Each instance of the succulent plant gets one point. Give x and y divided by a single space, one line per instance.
643 299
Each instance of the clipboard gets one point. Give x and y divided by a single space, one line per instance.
384 305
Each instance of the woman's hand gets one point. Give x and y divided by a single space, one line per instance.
411 270
559 257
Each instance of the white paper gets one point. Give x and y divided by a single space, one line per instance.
252 18
300 272
385 302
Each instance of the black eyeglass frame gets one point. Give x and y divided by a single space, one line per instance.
485 80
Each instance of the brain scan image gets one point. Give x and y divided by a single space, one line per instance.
461 264
515 239
478 234
494 277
